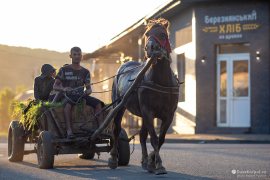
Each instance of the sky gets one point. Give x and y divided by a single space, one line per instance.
61 24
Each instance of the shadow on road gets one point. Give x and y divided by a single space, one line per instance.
28 164
130 172
102 171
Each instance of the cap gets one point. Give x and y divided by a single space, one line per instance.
46 69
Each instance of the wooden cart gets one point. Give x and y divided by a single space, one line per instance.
50 137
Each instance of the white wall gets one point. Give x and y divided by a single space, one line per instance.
184 125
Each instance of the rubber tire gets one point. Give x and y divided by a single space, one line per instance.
89 155
123 149
45 150
15 142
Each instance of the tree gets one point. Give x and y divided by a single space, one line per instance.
6 98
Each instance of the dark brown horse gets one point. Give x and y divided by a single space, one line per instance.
155 97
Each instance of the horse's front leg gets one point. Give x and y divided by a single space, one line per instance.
148 123
113 160
143 137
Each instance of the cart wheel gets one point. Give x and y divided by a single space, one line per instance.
88 155
15 142
123 149
45 150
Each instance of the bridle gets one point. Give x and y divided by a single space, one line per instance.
163 49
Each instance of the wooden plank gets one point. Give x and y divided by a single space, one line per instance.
52 127
76 115
55 119
81 120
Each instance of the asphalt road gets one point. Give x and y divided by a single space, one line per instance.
182 161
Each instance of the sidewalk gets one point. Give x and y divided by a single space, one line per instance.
219 138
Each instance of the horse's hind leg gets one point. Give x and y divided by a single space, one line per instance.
163 130
113 160
143 137
154 158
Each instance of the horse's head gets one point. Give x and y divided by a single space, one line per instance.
157 39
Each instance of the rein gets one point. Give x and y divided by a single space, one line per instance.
107 80
116 75
75 102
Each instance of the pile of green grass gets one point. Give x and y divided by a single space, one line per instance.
29 116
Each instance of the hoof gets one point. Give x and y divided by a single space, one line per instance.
113 163
151 163
151 168
144 163
160 171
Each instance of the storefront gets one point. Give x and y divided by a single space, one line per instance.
232 67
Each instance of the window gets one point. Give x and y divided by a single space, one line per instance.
181 69
233 48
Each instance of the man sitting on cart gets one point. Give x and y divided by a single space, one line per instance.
72 79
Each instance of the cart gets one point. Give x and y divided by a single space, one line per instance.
49 137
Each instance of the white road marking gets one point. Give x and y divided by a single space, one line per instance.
81 173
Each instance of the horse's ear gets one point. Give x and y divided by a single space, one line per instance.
166 24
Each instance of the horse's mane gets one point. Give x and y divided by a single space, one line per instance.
157 22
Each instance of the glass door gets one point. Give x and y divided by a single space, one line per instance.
233 96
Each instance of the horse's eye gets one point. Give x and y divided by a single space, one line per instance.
163 36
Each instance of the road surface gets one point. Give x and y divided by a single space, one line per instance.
182 161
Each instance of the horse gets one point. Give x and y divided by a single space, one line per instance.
155 97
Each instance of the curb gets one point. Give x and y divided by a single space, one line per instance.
217 141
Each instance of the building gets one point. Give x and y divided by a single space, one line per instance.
221 52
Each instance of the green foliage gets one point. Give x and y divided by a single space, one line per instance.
30 112
16 109
31 116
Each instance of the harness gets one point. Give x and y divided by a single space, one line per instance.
158 88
